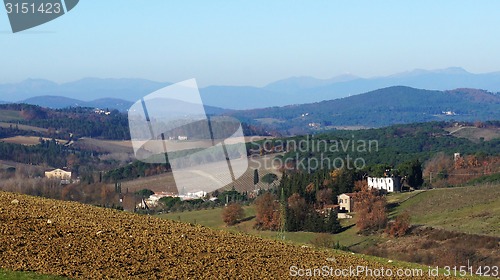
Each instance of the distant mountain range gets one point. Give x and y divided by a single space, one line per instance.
382 107
118 93
87 89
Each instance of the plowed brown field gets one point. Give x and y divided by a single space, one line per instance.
86 242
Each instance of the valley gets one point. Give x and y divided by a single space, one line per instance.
444 207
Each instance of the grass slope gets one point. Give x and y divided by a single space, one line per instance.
213 218
475 133
473 209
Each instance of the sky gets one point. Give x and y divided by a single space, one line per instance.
252 42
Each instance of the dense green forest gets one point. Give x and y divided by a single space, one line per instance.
388 146
303 193
14 130
134 170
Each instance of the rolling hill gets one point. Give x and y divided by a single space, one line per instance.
471 209
381 107
60 102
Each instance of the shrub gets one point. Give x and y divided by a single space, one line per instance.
400 226
328 241
145 192
232 214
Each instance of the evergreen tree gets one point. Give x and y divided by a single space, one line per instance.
314 222
255 177
413 172
333 223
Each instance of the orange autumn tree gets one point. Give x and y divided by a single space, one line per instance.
267 216
370 210
232 214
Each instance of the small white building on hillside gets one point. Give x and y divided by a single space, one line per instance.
346 202
193 195
388 184
58 174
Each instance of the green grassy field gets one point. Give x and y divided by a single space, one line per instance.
22 275
472 209
394 200
213 218
400 197
474 133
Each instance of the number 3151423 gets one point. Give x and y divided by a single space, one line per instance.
32 8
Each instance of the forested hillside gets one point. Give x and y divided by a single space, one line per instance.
389 146
75 122
383 107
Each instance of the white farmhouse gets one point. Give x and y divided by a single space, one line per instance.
388 184
346 202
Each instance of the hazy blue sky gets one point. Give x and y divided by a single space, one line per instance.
252 42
